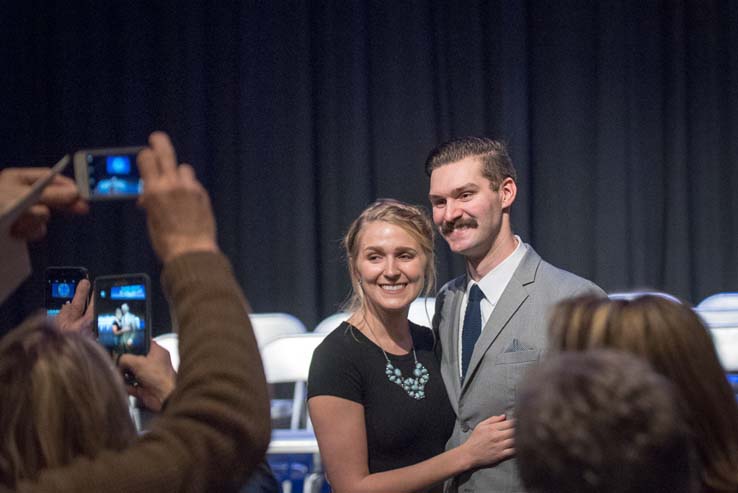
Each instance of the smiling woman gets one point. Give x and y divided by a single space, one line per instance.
376 396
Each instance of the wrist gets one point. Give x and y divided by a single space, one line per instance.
466 458
191 247
164 391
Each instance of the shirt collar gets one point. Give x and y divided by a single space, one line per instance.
495 281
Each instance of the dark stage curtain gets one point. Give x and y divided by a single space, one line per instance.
621 117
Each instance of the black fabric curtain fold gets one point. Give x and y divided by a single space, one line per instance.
621 118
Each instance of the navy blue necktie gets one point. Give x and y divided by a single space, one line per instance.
472 327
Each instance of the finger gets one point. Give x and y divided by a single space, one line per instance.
31 225
508 444
166 157
186 173
147 166
494 419
507 453
134 390
505 425
156 351
80 297
503 435
60 194
131 362
38 212
90 307
25 176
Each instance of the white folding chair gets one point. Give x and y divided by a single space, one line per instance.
421 313
422 310
720 301
269 326
723 325
631 295
331 322
287 359
170 342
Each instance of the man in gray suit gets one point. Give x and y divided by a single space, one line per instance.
490 322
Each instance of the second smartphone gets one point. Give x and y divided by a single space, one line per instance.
123 313
60 286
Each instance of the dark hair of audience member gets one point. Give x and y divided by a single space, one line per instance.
601 422
673 339
48 414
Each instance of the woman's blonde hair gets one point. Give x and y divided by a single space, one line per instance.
413 220
672 338
61 398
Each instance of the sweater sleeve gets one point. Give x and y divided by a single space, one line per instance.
216 425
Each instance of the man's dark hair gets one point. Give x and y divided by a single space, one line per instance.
601 421
496 162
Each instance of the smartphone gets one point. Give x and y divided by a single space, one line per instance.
123 313
60 286
106 174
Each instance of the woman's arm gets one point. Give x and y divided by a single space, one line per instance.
340 429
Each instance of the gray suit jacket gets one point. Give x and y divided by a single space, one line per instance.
512 341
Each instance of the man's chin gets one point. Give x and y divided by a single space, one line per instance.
459 247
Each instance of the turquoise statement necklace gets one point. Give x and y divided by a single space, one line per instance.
415 385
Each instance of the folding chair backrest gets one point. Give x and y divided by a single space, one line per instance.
422 310
720 301
287 359
631 295
269 326
331 322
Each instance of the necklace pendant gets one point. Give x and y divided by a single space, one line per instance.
414 386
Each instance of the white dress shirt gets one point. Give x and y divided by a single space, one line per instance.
492 285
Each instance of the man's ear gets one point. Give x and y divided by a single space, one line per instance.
508 190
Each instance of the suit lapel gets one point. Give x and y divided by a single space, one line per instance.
512 297
450 339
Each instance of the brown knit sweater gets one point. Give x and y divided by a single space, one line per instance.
215 427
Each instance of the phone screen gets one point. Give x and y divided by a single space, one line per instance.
61 284
113 175
122 313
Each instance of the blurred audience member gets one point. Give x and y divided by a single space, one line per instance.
64 417
672 338
601 422
155 381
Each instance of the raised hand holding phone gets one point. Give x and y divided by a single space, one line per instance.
61 286
77 316
179 215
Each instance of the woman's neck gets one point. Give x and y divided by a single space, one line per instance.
389 330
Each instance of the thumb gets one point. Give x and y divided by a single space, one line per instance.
131 362
494 419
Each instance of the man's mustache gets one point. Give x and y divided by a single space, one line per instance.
448 226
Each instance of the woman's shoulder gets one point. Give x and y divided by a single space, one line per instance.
423 337
345 337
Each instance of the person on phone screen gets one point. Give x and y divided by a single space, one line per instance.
128 320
